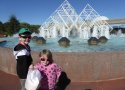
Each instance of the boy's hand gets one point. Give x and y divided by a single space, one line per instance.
31 66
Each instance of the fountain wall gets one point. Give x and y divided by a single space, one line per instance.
78 66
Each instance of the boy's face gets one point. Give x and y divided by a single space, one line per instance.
25 39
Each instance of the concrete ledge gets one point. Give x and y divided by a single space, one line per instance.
79 67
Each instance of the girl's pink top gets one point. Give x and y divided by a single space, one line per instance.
50 75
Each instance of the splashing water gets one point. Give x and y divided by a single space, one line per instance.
115 43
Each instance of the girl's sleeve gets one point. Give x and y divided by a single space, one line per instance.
58 71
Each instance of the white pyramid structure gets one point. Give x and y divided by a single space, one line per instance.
65 22
92 25
87 14
60 22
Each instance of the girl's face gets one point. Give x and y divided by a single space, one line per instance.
44 60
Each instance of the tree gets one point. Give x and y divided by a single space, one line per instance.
1 28
24 25
14 24
33 28
7 29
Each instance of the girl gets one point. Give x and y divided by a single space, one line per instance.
49 70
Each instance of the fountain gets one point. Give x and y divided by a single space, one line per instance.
66 27
77 59
65 22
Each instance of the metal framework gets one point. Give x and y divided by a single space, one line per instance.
65 22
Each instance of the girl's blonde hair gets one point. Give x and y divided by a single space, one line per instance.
48 54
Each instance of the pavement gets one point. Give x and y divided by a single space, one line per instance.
11 82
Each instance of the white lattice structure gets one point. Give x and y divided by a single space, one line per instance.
60 22
65 22
92 24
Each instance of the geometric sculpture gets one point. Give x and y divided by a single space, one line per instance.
65 22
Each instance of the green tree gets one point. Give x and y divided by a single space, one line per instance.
33 28
14 24
24 25
7 29
1 28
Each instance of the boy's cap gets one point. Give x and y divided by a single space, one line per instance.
24 31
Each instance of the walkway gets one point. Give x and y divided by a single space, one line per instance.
11 82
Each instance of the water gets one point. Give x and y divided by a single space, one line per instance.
115 43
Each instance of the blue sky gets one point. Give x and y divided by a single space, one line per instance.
37 11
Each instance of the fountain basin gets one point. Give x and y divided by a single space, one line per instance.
115 43
79 67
